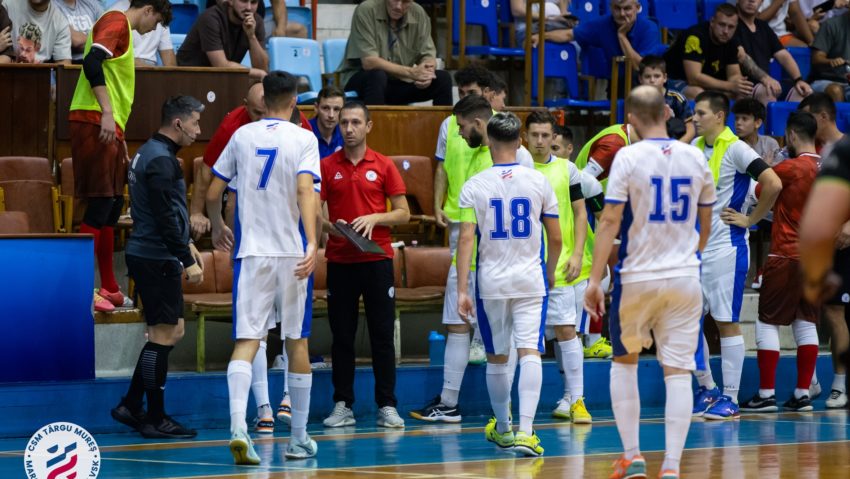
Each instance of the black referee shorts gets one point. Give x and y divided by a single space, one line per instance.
160 287
841 266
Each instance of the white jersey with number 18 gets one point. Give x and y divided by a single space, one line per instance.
264 159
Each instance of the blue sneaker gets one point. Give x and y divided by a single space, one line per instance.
704 399
723 409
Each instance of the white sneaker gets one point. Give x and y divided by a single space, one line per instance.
477 355
301 450
814 391
388 417
562 410
836 399
340 416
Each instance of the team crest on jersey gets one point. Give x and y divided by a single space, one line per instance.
371 175
667 150
272 126
507 174
338 176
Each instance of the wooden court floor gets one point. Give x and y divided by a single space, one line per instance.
786 445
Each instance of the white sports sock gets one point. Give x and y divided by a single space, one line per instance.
677 418
704 377
300 397
559 360
512 360
591 339
573 361
530 382
260 382
500 394
456 359
766 393
625 401
286 369
798 393
732 353
839 382
238 387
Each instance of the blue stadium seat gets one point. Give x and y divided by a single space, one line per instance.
561 61
300 57
587 9
183 17
709 6
676 14
842 118
777 116
246 60
177 40
333 53
803 57
482 13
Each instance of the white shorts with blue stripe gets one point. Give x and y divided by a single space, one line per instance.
724 274
566 308
511 323
265 292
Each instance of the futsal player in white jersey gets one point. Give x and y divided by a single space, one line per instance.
727 255
657 190
275 166
507 206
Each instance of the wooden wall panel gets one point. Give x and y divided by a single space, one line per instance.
25 115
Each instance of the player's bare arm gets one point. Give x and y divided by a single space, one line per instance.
308 206
222 235
465 244
579 237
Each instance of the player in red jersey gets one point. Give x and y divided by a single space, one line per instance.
781 301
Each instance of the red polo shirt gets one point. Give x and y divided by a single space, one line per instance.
352 191
235 119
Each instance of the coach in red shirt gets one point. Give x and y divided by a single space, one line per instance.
356 183
250 111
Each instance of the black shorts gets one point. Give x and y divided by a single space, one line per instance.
160 287
841 266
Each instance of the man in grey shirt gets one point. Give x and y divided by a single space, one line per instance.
81 15
831 58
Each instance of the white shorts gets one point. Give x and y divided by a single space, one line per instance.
267 292
507 323
566 308
724 273
450 315
668 308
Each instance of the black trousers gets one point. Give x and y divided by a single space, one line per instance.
346 283
376 87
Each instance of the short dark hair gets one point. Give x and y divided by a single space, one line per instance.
498 85
163 7
803 124
329 92
356 105
726 9
819 102
181 107
540 117
474 74
473 106
564 131
716 100
750 106
652 61
503 127
278 88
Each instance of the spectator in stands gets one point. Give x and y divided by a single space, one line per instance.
99 112
7 51
159 254
815 16
390 58
776 12
222 36
352 273
277 24
619 33
749 117
326 122
653 72
758 45
251 110
81 15
705 57
43 21
553 10
831 58
146 47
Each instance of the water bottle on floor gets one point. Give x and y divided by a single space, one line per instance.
436 348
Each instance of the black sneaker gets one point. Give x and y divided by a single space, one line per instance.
167 429
436 411
760 404
802 404
124 415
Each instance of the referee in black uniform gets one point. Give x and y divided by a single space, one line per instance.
159 252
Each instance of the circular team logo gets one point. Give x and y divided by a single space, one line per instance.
337 149
62 450
588 7
565 55
391 292
371 175
211 96
845 298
